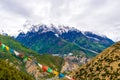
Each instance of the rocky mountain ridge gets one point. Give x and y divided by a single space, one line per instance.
63 39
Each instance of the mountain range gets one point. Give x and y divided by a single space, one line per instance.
63 40
105 66
78 45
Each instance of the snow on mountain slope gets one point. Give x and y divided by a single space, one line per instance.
52 34
59 30
44 28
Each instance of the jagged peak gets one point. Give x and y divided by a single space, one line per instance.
46 28
58 30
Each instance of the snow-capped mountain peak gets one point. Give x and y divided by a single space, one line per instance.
60 35
42 28
58 30
64 29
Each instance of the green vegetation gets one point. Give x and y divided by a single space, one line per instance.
49 43
54 45
9 72
45 59
86 43
105 66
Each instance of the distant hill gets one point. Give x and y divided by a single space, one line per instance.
29 67
63 40
105 66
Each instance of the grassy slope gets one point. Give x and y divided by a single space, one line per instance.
45 59
105 66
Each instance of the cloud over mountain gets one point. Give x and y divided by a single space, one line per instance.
90 15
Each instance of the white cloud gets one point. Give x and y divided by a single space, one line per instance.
100 16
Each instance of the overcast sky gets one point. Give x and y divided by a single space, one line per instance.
99 16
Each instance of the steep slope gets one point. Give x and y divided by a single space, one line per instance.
48 43
9 72
88 40
62 40
48 60
105 66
